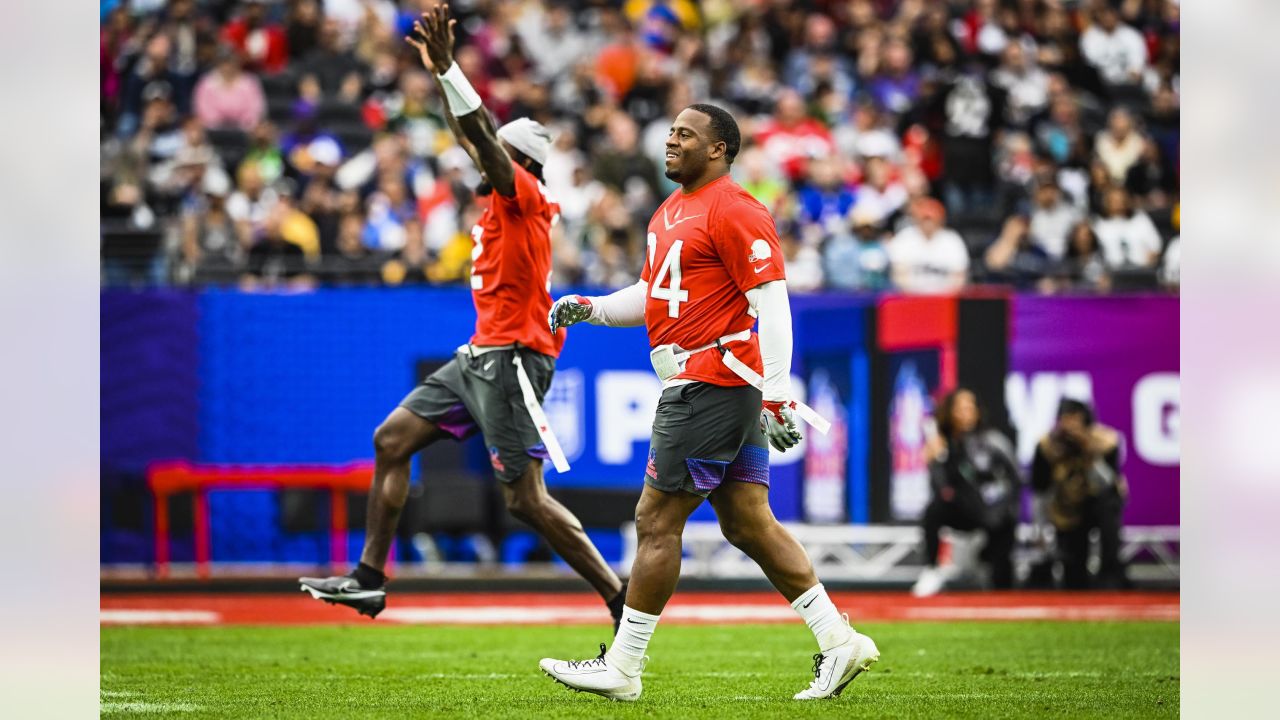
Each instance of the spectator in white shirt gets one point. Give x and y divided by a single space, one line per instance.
1171 267
804 263
867 136
1117 51
1171 264
928 257
551 39
1026 83
878 197
1128 237
1052 218
1120 146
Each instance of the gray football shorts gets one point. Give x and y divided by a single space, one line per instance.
481 393
705 435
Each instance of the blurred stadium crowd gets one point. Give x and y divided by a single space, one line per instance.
913 144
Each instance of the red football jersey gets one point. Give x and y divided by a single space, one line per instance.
706 249
511 268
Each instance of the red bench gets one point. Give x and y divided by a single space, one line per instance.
168 478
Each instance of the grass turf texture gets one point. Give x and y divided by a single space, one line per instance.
926 670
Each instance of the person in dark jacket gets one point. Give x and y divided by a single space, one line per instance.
976 486
1076 477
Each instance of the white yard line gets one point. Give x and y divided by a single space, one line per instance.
693 613
1044 612
158 617
142 707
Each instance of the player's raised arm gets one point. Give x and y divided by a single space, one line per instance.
416 41
470 122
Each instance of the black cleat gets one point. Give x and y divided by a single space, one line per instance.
346 590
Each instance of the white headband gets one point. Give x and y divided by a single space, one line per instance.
529 137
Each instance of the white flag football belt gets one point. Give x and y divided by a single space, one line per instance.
668 361
539 418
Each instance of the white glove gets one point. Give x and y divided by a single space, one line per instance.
568 310
778 421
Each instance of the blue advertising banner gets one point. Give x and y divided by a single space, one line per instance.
306 377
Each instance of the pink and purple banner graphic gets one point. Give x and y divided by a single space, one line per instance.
1120 353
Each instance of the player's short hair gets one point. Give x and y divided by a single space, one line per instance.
724 128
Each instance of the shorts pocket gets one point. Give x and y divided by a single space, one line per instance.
673 412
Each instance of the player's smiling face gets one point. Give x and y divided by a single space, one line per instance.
689 146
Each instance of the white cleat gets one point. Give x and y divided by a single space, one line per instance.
594 676
837 667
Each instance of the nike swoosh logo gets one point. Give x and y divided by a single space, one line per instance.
760 269
634 621
809 603
488 365
679 219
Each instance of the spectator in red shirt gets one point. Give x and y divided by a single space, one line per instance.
791 137
262 45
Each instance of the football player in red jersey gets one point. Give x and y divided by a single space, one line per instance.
714 268
495 383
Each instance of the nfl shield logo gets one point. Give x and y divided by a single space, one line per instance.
564 405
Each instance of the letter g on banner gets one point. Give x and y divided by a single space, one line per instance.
1157 406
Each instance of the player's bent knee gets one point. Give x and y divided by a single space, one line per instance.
655 527
736 535
529 508
391 443
747 534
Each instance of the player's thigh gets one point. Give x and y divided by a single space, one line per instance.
443 401
495 394
662 513
742 508
527 491
403 433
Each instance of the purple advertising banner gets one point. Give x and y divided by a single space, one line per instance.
1120 353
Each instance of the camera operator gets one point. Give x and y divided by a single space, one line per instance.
976 486
1076 477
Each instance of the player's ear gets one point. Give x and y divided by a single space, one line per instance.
718 150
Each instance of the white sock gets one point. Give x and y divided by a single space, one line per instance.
627 653
819 613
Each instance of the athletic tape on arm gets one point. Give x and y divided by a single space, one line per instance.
462 98
774 310
624 308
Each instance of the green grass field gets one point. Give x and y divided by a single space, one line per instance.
926 670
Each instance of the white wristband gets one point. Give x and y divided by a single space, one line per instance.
462 98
